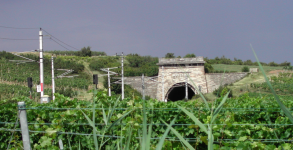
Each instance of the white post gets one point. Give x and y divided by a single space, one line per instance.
122 73
53 79
109 84
41 62
24 126
186 88
163 84
142 80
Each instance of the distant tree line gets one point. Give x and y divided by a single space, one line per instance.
227 61
171 55
134 64
138 65
224 60
84 52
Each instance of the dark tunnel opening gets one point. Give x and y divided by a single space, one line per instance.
178 93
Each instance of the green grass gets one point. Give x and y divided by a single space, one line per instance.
237 68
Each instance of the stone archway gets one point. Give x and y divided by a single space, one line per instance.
178 92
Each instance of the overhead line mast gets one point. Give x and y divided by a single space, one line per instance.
41 63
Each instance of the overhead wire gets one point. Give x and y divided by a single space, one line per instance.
16 39
59 40
59 43
51 37
17 27
156 138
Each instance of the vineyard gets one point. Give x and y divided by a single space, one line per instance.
283 84
15 73
243 123
253 120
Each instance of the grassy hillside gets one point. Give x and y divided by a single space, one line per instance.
77 87
237 68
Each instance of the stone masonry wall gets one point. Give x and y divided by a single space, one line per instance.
214 80
208 82
149 83
174 74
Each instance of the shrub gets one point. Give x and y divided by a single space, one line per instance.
245 69
222 91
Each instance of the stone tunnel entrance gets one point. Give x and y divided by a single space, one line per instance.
178 92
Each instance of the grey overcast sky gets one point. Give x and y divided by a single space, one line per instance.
206 28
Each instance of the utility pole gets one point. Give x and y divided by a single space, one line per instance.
41 63
109 73
163 84
53 79
122 74
186 88
109 84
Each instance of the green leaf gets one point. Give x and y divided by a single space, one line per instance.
219 107
104 116
144 128
128 138
89 120
204 139
179 136
45 141
94 128
162 139
50 131
227 132
196 121
118 120
243 138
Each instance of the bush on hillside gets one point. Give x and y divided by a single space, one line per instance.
245 69
85 51
222 91
208 68
97 64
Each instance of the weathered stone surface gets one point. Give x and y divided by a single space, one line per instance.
194 75
215 80
179 70
150 84
253 69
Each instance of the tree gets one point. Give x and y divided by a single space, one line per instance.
169 55
273 64
135 60
245 69
85 51
189 56
208 68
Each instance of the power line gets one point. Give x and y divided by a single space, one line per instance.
16 39
59 44
59 40
17 27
